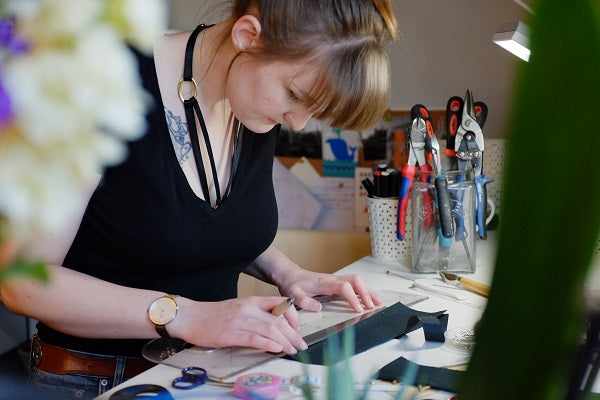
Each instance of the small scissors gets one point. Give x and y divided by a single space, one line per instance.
190 378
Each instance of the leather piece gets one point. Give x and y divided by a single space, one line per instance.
437 378
391 323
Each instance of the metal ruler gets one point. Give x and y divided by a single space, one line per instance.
336 315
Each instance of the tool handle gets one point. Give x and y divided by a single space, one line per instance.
453 115
459 215
481 191
428 208
481 112
475 286
408 174
445 210
420 111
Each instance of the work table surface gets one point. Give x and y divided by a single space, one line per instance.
413 346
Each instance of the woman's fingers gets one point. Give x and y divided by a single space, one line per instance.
368 298
306 302
249 322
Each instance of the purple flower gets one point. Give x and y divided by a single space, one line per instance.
8 40
13 45
5 106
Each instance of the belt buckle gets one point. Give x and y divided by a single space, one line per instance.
35 355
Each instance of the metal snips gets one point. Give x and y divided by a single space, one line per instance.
469 147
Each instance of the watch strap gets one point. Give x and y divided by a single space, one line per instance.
162 330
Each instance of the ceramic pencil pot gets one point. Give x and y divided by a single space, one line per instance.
383 225
443 233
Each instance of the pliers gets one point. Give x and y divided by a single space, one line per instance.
469 147
422 144
415 147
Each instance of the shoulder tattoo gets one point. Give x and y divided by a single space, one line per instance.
179 136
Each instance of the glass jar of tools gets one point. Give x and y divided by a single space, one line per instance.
443 221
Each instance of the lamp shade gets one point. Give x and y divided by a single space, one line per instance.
514 37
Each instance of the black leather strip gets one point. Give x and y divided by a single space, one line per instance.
437 378
189 53
392 322
211 157
191 106
191 121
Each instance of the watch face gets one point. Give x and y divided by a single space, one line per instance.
162 311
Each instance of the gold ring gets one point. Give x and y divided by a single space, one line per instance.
179 88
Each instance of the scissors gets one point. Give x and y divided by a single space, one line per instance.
190 378
464 119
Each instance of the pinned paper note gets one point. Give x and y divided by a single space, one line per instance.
340 151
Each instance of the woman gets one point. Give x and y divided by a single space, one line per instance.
166 233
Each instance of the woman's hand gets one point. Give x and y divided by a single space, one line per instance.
302 285
243 321
274 267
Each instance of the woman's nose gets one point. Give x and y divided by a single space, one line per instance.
297 120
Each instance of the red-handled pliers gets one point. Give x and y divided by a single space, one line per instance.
415 145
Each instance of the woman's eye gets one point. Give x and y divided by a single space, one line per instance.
293 96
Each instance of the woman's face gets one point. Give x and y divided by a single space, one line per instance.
265 93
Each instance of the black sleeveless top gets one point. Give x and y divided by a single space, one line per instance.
144 227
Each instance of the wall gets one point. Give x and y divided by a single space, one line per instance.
314 250
444 48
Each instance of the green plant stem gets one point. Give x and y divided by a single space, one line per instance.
551 200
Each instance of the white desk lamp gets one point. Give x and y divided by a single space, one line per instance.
514 37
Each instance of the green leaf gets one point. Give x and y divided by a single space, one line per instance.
533 323
340 383
22 267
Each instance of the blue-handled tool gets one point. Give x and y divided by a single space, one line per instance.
469 146
481 191
444 209
432 147
408 173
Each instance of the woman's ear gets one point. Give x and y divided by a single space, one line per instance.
245 32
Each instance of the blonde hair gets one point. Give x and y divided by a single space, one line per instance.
345 38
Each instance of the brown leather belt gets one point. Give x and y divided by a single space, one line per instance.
58 360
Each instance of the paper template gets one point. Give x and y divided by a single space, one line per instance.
304 171
298 208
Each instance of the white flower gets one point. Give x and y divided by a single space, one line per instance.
141 21
110 88
53 22
75 97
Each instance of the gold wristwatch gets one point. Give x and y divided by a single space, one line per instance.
162 311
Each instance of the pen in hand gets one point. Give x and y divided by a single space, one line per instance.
283 307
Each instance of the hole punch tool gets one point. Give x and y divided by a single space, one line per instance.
469 147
